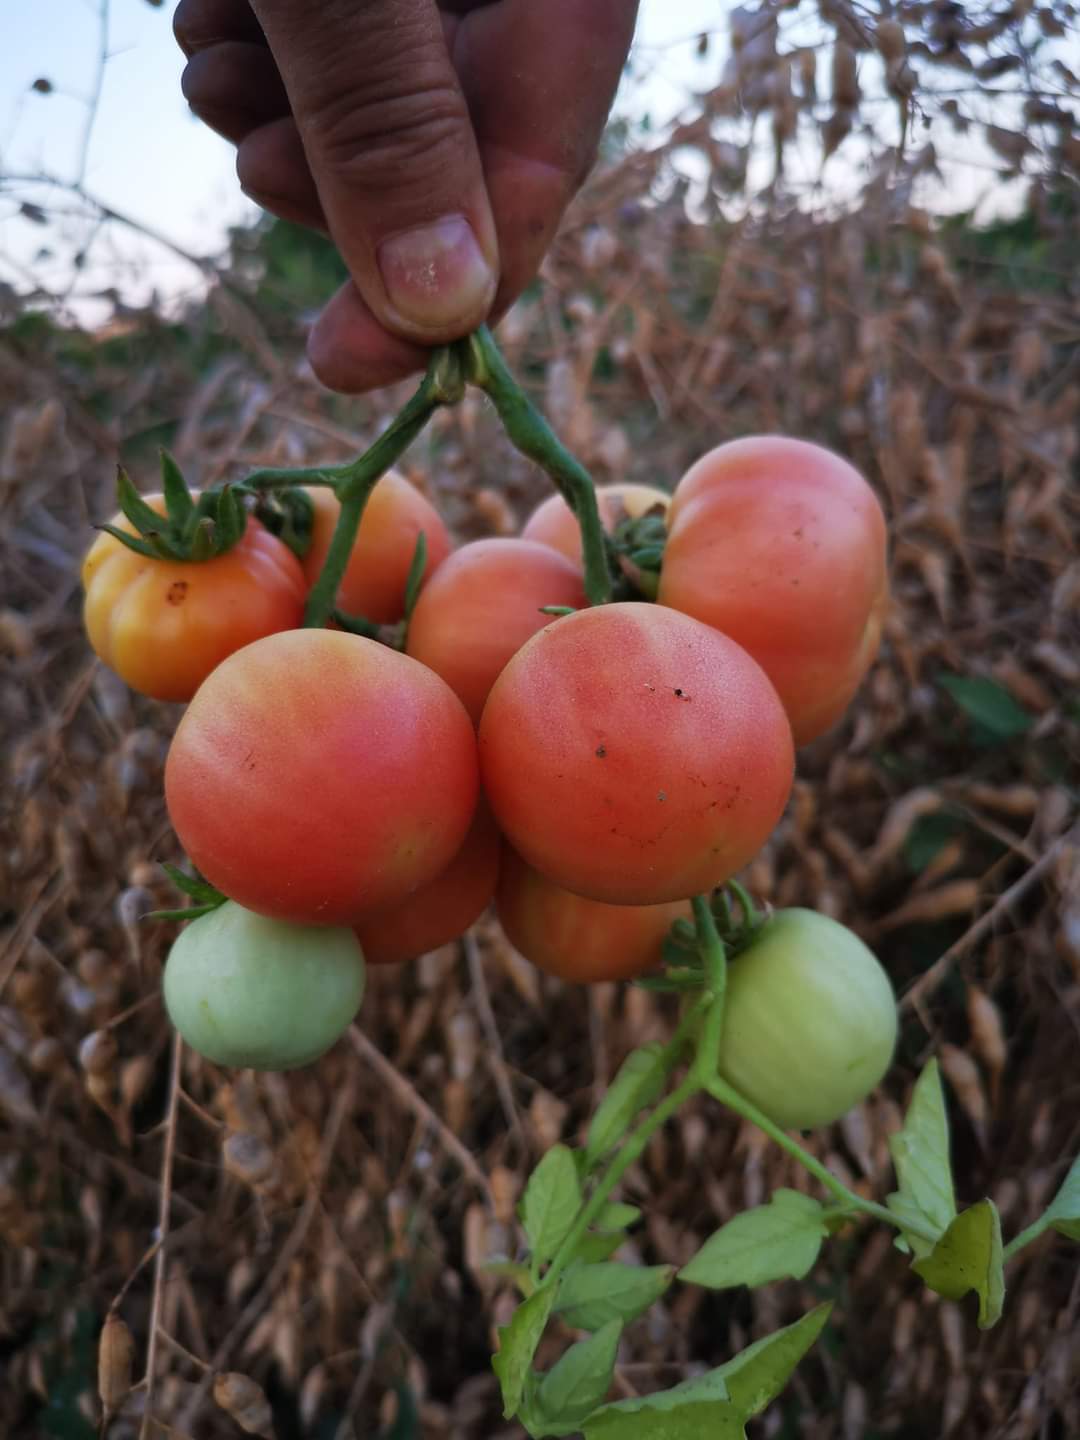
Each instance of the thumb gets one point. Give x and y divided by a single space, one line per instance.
387 135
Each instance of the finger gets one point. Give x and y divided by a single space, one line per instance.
540 80
198 24
387 135
273 170
234 87
351 352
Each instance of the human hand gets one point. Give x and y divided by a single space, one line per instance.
437 141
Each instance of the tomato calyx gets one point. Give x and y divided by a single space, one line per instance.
190 529
204 896
288 513
638 544
737 920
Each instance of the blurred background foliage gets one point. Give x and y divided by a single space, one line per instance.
862 231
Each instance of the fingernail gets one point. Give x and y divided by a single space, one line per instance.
437 276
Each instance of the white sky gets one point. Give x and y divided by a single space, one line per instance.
151 160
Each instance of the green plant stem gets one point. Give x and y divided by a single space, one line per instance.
729 1096
534 437
273 478
1017 1243
714 959
632 1149
442 385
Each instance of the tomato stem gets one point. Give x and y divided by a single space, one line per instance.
714 959
727 1095
443 384
534 437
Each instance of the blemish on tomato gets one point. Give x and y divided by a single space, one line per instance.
177 592
680 693
600 752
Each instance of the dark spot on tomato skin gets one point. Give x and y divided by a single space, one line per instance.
177 592
600 752
680 694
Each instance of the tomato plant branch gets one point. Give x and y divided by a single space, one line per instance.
714 959
534 437
632 1150
353 483
1025 1237
727 1095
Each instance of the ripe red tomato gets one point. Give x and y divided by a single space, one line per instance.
574 938
633 755
781 545
482 606
441 910
163 625
554 523
374 581
809 1020
316 775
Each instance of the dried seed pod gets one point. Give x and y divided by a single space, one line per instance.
963 1075
116 1355
248 1159
97 1052
890 39
135 1076
239 1396
47 1056
845 80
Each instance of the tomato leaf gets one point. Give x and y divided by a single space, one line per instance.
578 1381
551 1202
590 1296
988 704
969 1257
920 1153
617 1216
415 576
1063 1212
598 1245
770 1242
719 1403
511 1270
517 1346
639 1081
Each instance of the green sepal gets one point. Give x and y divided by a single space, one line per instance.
192 886
192 912
416 575
203 544
133 542
178 502
288 513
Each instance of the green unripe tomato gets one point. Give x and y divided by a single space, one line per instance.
809 1022
244 990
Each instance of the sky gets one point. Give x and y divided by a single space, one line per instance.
151 160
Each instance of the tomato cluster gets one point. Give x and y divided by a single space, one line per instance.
587 768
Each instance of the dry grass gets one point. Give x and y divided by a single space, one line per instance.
327 1230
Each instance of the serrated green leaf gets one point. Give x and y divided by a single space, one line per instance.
577 1383
617 1216
511 1270
590 1296
178 501
920 1153
776 1241
1063 1212
416 575
517 1346
988 704
638 1083
716 1405
551 1202
969 1257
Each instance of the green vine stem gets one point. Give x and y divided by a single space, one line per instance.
727 1095
534 437
714 959
443 384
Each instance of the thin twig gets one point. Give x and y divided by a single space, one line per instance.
295 1239
928 982
164 1210
495 1055
420 1108
95 95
